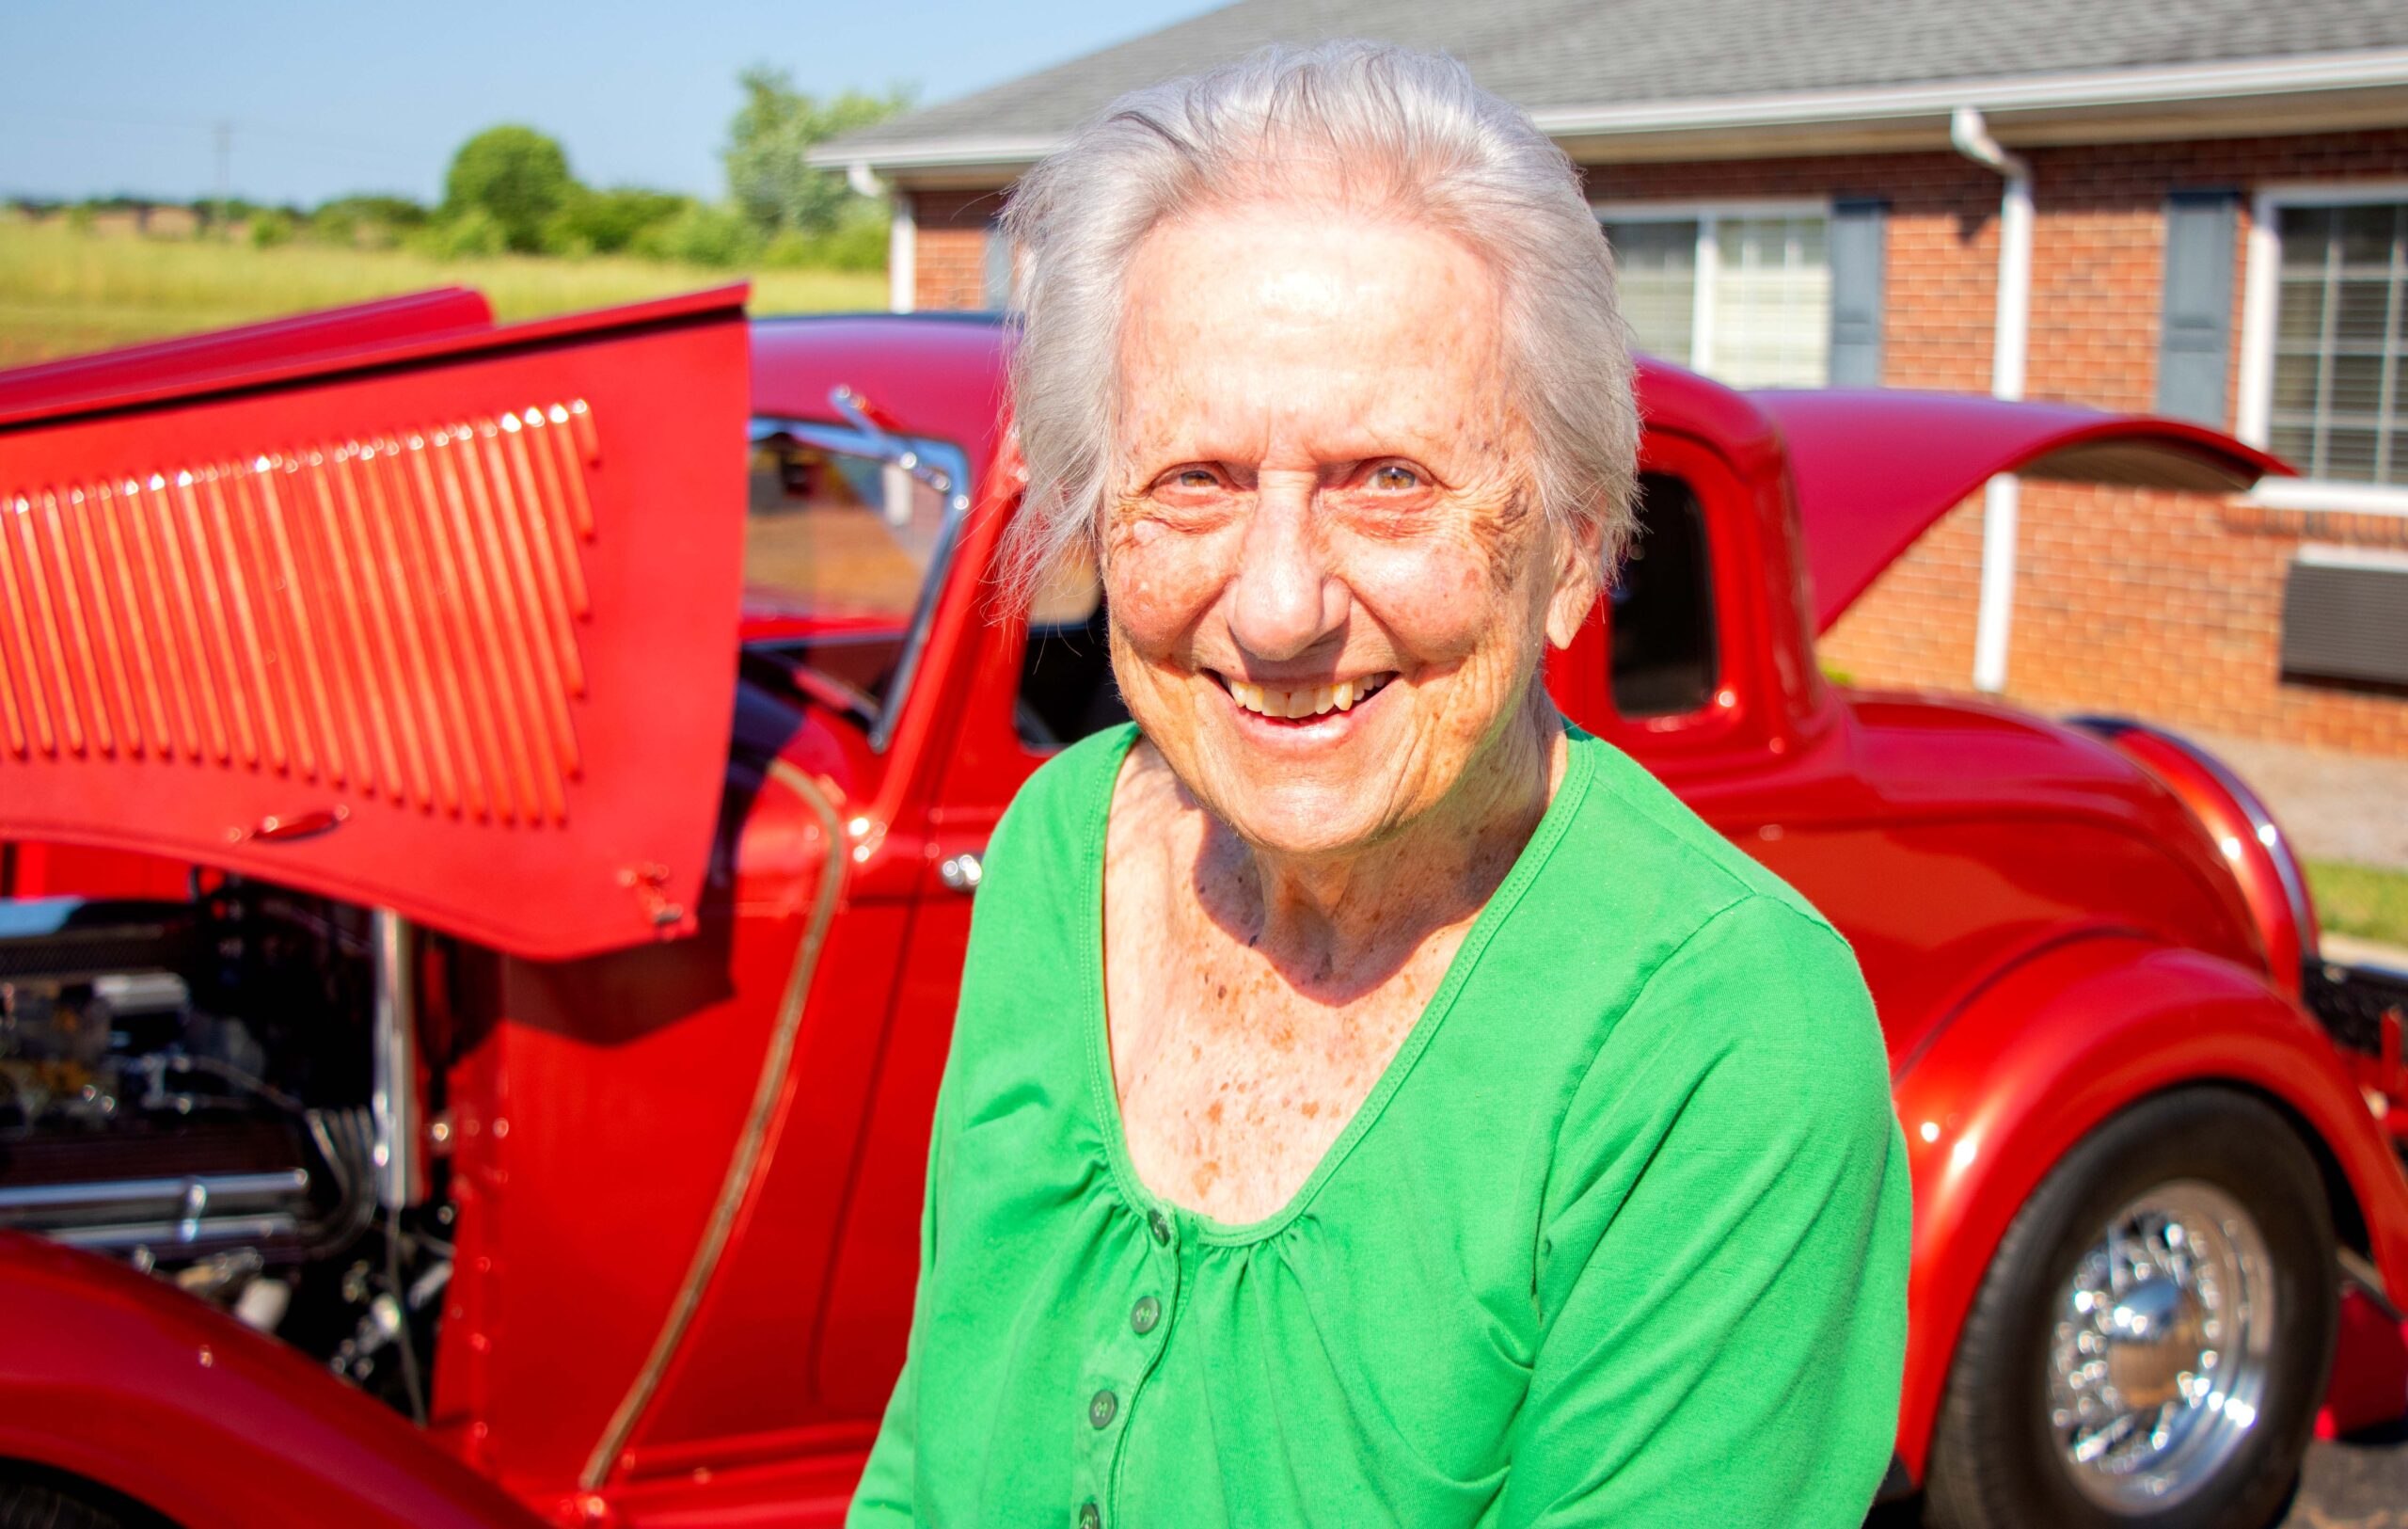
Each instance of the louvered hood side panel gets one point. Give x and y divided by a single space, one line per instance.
454 634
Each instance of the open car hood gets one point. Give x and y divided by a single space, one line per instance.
388 604
1873 468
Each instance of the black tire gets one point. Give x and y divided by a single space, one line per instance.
1995 1460
34 1498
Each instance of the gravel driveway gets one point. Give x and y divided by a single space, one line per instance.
2334 806
2360 1484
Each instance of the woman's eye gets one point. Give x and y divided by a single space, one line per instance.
1394 477
1193 478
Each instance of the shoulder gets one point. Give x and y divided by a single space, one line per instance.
1752 1054
1026 973
1055 817
1737 978
1035 897
1747 1067
1632 815
1766 979
1636 894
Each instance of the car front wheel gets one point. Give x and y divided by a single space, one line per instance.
2151 1342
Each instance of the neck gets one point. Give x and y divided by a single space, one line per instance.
1337 923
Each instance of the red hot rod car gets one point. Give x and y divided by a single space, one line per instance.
481 913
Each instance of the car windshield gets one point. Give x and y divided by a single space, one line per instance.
844 533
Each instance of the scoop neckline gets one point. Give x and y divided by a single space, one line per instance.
1579 768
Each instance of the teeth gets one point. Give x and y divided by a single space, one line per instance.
1315 701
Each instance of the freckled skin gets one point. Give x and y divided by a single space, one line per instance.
1321 478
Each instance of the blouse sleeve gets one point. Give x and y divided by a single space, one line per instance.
1022 858
884 1498
1722 1258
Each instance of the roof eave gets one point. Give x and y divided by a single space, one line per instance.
2094 91
2305 93
1014 154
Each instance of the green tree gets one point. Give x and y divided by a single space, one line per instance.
474 232
371 221
606 222
766 178
515 176
701 235
270 228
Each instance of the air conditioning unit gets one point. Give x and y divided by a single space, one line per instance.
2345 615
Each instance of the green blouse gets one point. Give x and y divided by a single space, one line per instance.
1620 1238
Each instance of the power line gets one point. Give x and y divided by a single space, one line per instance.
225 170
289 133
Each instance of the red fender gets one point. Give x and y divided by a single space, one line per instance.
2047 1051
124 1380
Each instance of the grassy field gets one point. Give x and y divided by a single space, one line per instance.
2363 900
62 291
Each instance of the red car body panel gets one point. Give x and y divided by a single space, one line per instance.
687 1173
169 369
415 622
124 1380
2047 1051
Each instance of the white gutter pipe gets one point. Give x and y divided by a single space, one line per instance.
902 235
902 253
1971 136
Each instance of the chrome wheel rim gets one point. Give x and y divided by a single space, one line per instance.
2161 1347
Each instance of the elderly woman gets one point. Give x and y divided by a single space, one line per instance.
1373 1100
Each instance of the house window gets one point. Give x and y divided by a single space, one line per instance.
2341 316
1743 294
2327 383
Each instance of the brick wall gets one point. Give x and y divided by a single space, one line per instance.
2165 605
1941 266
949 256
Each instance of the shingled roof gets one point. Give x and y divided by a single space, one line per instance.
1605 65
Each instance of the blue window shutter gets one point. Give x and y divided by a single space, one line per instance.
1857 245
2194 338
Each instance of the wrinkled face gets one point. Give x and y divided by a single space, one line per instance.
1330 582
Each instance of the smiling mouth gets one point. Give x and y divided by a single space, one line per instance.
1304 702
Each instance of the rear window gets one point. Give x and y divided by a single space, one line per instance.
1664 659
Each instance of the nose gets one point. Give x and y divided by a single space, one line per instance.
1283 598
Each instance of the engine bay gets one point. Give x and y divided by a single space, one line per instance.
222 1091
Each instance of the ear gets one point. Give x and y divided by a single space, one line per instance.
1575 579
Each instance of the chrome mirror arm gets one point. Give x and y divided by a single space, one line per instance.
847 402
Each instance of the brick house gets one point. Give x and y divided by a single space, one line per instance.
2197 208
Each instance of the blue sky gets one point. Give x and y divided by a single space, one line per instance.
101 96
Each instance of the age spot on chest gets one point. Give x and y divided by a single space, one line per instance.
1237 1069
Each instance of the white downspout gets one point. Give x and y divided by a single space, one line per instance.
902 236
1973 139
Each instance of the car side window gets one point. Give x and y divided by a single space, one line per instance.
836 551
1664 658
1066 686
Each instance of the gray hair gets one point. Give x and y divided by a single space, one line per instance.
1365 124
